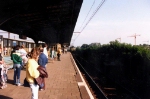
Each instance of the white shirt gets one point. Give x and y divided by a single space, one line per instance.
45 51
2 69
23 52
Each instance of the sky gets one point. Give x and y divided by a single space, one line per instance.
121 20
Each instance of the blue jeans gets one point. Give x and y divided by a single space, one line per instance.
17 70
41 86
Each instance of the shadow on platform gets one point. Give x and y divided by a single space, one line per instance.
4 97
10 81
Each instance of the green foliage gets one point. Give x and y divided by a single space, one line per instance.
124 63
84 46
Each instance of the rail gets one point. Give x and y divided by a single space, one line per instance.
101 92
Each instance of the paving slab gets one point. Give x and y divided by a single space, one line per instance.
61 83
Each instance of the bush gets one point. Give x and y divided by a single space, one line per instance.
126 64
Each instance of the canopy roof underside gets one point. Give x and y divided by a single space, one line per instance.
51 21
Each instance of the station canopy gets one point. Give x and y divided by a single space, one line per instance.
50 21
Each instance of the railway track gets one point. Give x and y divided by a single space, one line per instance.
103 87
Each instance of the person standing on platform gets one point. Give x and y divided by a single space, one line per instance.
32 73
44 46
17 61
3 73
52 55
42 61
5 50
65 50
23 55
58 53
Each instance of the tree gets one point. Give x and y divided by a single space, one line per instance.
85 46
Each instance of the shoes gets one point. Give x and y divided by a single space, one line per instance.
41 89
4 86
19 84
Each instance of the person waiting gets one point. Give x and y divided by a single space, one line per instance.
5 50
42 61
23 55
58 54
32 73
17 61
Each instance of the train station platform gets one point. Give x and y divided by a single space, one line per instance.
64 82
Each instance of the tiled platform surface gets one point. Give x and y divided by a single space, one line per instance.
61 83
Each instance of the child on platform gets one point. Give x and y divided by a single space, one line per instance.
3 73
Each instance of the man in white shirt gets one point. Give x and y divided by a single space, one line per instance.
23 54
44 46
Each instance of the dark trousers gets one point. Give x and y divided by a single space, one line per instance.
58 57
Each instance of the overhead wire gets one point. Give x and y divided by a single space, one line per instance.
85 19
99 6
87 14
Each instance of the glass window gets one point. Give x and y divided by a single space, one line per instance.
14 43
27 45
17 42
32 45
9 43
5 42
24 43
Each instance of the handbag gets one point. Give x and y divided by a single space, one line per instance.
26 83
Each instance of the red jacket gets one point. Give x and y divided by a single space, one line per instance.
43 74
